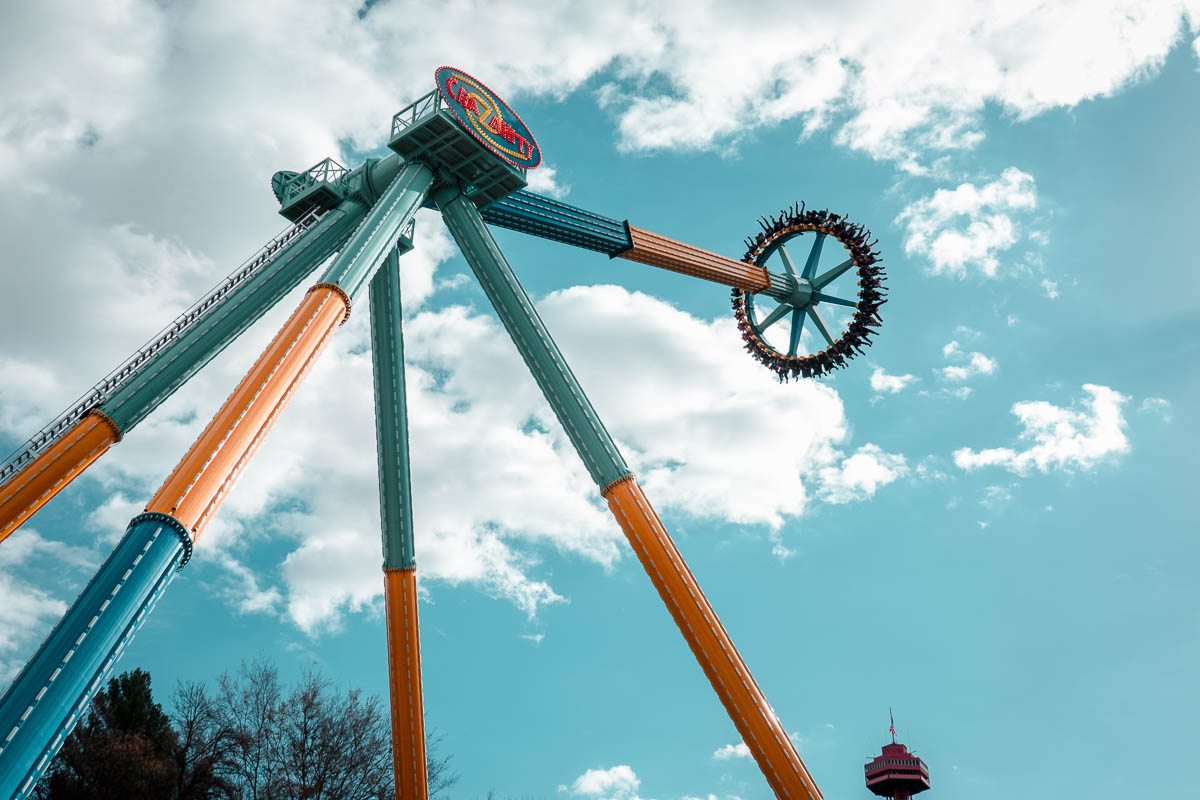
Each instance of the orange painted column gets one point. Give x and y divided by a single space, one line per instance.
666 253
404 673
745 703
199 484
45 476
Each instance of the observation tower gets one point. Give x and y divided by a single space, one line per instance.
895 772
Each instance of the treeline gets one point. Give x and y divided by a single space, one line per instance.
249 738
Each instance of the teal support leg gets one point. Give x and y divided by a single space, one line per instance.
395 511
200 343
391 416
600 455
355 265
352 228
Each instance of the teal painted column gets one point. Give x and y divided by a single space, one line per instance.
358 261
600 455
200 343
391 416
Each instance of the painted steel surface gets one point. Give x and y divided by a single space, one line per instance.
391 416
57 466
551 219
209 469
148 352
184 357
59 682
747 707
395 512
661 251
355 265
151 375
54 689
714 650
593 443
488 118
38 481
404 684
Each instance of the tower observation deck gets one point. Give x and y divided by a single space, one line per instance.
895 772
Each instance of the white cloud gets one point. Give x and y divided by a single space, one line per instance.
313 484
1059 438
29 609
1051 288
969 364
544 180
615 783
1159 406
891 384
96 98
860 475
970 226
728 751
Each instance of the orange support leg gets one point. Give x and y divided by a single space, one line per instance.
745 703
404 671
198 485
49 473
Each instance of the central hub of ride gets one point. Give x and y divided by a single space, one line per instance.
802 295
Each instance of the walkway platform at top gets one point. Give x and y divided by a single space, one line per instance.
427 131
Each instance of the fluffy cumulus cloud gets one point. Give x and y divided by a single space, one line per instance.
674 74
135 145
497 478
544 180
861 474
1054 437
964 365
728 751
882 382
615 783
969 227
29 609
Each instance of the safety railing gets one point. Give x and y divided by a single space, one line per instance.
416 111
324 171
144 354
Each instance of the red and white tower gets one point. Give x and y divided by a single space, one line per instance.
895 772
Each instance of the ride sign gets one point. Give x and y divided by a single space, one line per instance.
488 118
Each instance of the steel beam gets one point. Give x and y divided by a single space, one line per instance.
600 455
38 481
74 660
557 221
53 691
714 650
395 513
391 417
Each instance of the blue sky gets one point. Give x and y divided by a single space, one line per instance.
986 523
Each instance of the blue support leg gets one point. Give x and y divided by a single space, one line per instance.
53 691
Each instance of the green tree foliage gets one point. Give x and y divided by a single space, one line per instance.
122 749
250 738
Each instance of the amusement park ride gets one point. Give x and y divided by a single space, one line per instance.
461 150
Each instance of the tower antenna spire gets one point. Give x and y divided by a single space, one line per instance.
892 729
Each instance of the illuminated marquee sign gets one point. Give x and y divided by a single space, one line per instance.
488 118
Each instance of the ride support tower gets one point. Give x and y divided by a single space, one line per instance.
462 151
